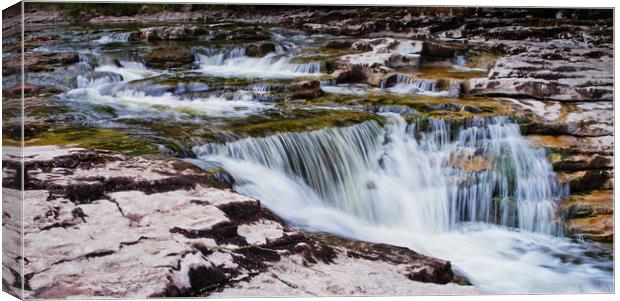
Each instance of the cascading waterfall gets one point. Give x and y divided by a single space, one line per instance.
401 184
460 60
115 37
405 84
348 168
326 160
234 63
112 83
508 183
472 192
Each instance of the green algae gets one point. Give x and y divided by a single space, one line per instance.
430 106
298 120
194 77
442 72
481 60
95 138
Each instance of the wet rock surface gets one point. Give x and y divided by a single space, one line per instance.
99 223
170 56
590 215
579 141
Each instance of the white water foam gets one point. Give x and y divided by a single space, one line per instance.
459 64
382 184
107 86
234 63
115 37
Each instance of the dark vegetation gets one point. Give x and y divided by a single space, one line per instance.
130 9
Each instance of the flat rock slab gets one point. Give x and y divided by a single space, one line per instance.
101 224
568 72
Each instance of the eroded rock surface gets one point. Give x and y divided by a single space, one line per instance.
578 138
103 224
562 71
590 215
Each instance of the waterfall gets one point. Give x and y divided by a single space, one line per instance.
114 84
402 184
216 56
234 63
97 79
405 84
459 64
398 109
328 161
460 60
355 169
262 88
115 37
508 182
402 84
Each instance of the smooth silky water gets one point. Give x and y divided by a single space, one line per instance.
396 184
475 193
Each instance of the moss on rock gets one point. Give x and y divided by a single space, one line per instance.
298 120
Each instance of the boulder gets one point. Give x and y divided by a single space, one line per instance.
170 56
259 49
304 89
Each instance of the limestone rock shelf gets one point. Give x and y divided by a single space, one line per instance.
103 224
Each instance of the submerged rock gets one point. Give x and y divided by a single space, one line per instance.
434 51
137 227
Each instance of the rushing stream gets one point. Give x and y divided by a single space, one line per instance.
473 192
382 184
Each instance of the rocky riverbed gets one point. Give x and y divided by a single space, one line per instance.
194 136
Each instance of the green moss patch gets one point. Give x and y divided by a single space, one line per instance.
442 72
107 139
431 106
298 120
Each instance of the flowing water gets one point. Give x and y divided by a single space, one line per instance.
234 63
398 184
473 191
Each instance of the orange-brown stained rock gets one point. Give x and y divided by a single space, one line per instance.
590 215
